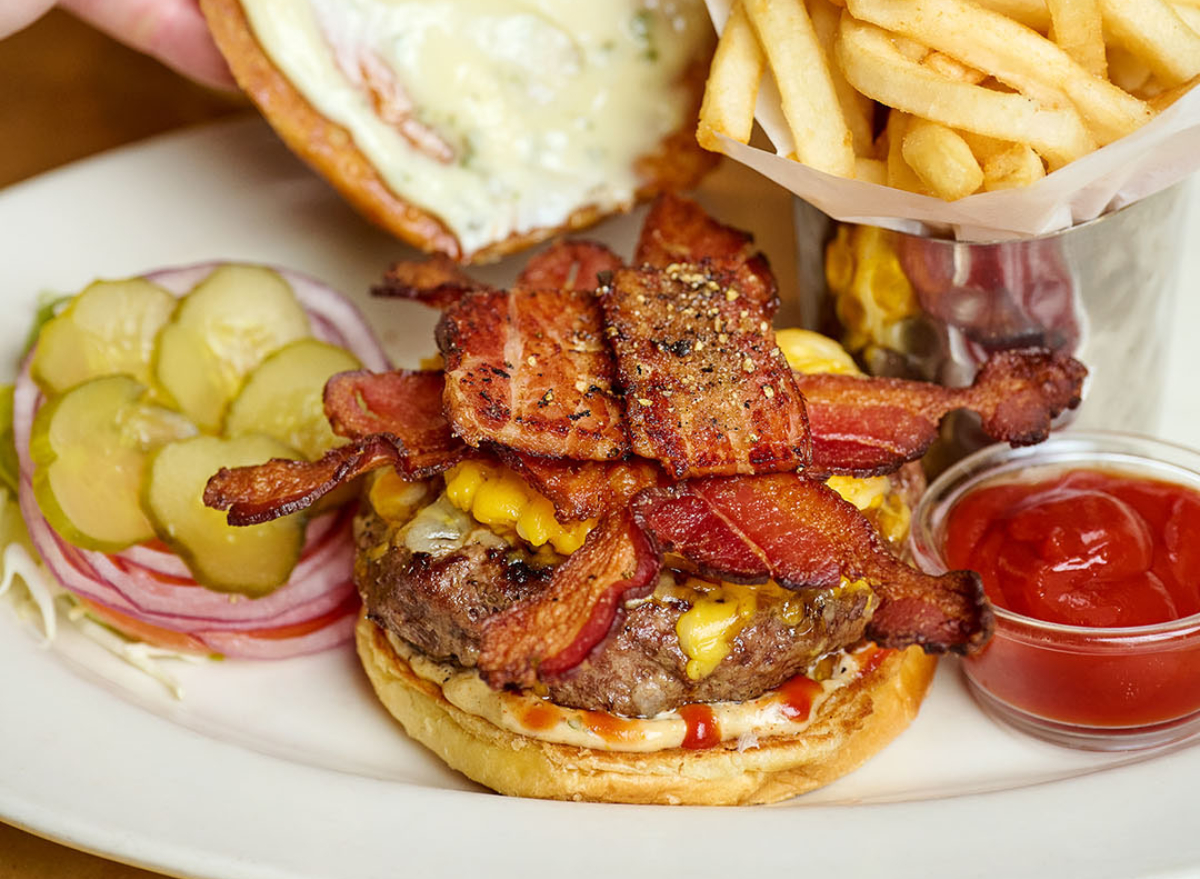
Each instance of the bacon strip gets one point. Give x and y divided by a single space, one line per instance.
555 630
803 535
394 419
437 282
584 489
569 265
677 230
707 389
872 426
279 487
529 369
402 403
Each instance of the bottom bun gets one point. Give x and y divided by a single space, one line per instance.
847 730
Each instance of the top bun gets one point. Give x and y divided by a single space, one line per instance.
470 158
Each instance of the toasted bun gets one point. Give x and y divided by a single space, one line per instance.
850 727
678 163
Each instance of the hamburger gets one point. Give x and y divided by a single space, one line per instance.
476 129
618 549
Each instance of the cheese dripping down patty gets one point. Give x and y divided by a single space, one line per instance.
500 117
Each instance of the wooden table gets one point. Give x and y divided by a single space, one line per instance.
69 92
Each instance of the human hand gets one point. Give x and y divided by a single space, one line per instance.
173 31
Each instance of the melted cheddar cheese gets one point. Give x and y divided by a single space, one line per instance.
498 497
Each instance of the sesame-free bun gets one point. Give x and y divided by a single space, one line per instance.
677 163
851 726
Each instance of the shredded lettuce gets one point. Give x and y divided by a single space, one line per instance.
49 304
33 592
18 565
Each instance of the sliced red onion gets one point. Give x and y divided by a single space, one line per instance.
73 575
238 645
166 563
26 399
223 635
183 605
155 587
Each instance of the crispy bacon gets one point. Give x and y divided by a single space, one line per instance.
402 403
707 389
529 369
569 265
872 426
584 489
394 419
437 282
263 492
677 230
802 534
552 632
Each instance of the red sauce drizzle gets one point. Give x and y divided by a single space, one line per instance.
871 658
797 697
539 717
613 729
702 730
1090 549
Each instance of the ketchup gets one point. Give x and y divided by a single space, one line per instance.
1087 548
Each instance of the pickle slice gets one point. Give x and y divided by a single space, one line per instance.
220 332
283 398
252 560
89 447
107 329
10 467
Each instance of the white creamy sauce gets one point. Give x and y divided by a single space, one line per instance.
744 722
498 116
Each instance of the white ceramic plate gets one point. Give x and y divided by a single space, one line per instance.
291 770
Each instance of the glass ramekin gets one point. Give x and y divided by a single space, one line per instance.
1101 689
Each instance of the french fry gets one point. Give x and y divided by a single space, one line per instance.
1015 166
871 171
732 89
899 174
910 49
874 67
1126 70
950 68
1031 13
1151 30
1014 55
1189 14
857 109
984 148
1077 28
810 104
941 159
1165 99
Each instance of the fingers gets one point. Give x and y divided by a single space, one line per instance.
173 31
16 14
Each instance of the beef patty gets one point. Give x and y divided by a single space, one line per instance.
440 602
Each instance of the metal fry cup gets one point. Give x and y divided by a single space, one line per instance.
935 309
